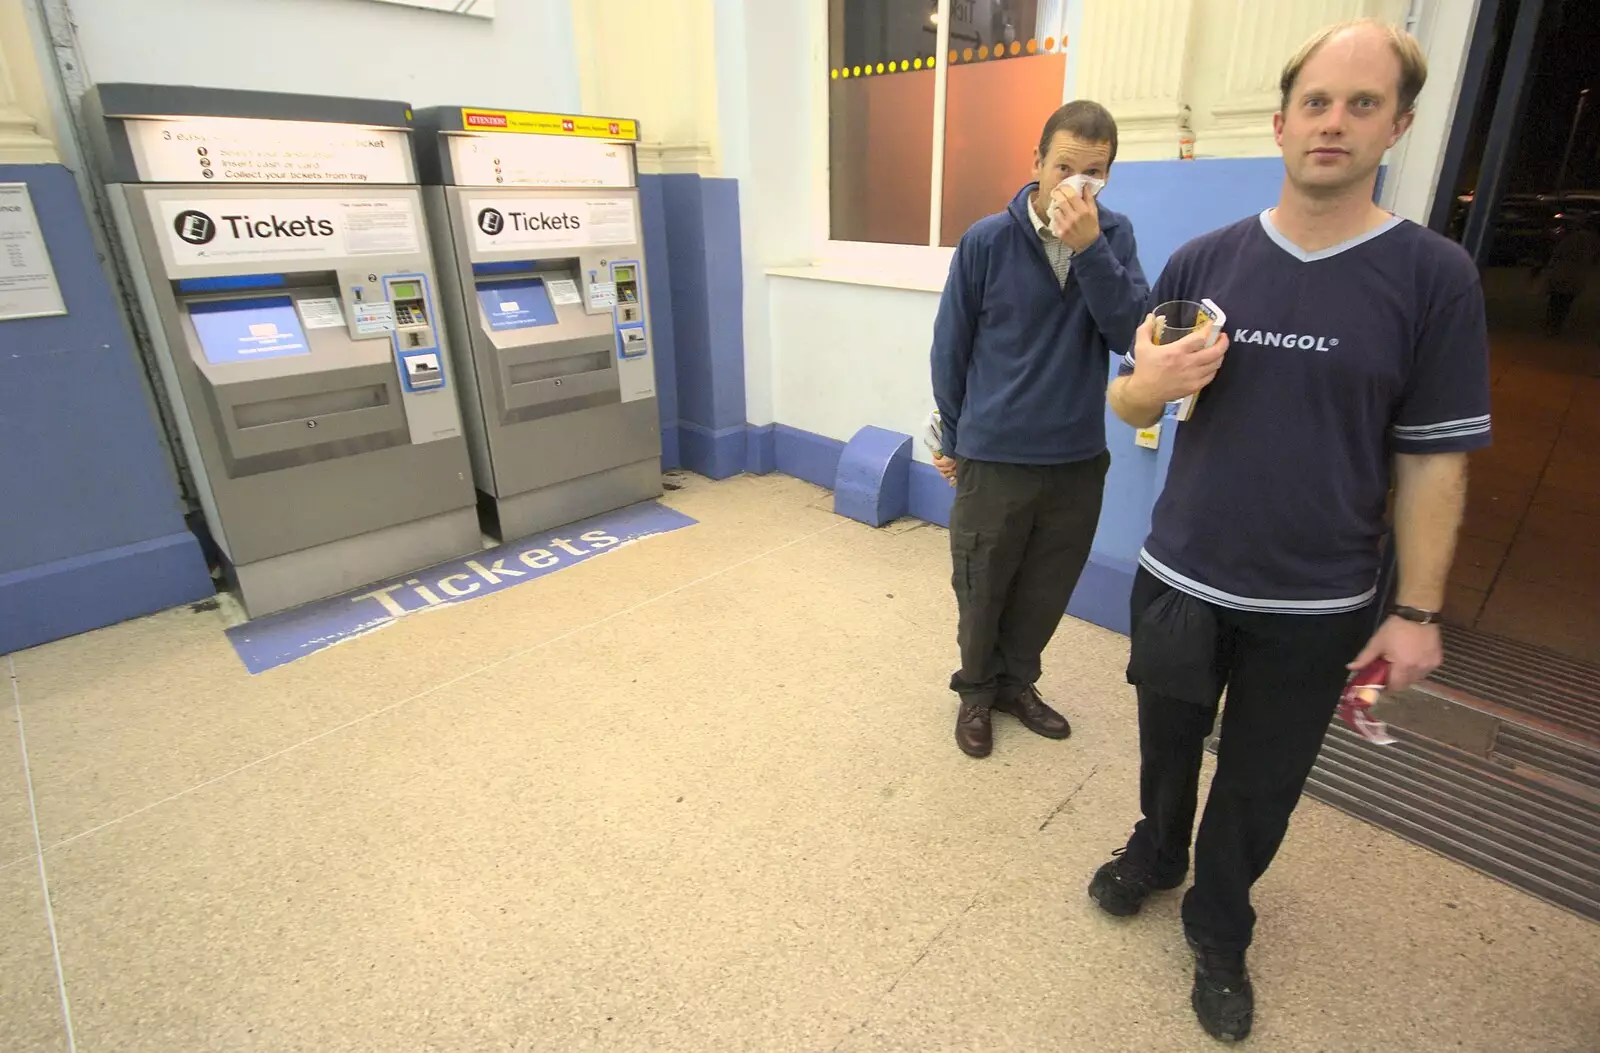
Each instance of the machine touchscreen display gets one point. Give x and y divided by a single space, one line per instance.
517 304
247 330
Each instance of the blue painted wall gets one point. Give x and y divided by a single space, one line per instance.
1170 202
694 255
92 531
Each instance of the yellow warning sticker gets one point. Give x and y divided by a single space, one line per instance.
549 124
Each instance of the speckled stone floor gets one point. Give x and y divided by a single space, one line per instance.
699 794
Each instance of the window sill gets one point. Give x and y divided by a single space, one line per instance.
856 275
918 276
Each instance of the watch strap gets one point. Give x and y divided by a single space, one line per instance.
1414 614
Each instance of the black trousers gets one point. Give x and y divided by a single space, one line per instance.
1284 674
1019 537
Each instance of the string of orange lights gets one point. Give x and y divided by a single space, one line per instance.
982 53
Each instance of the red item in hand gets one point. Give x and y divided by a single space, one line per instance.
1355 705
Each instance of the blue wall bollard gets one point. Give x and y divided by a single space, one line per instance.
873 481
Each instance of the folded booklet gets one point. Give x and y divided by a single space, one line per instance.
1355 705
933 434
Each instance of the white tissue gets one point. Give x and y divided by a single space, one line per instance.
1078 182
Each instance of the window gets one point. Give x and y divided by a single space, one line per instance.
889 146
880 119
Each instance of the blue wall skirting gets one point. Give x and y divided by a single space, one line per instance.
92 530
804 455
930 496
71 596
761 449
714 454
1102 593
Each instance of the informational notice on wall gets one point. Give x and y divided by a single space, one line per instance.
236 229
602 294
536 221
28 286
245 150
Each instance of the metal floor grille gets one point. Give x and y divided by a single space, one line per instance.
1532 752
1560 692
1497 766
1523 814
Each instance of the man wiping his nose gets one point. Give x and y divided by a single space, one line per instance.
1038 300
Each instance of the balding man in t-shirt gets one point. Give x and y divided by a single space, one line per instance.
1356 358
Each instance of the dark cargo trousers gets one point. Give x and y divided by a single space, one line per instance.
1019 538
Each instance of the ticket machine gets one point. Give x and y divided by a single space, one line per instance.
535 221
278 249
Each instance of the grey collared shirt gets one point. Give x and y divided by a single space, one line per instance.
1058 252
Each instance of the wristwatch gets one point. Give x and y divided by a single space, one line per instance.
1414 614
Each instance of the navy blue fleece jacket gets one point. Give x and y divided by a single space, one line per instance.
1019 363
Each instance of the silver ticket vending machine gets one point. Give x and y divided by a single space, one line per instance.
535 221
279 252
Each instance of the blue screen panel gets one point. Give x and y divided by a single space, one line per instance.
519 304
484 270
231 283
248 330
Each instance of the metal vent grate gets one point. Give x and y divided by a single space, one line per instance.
1536 833
1546 685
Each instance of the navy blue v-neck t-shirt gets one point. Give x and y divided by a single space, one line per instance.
1275 498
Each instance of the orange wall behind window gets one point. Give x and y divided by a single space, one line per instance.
880 157
994 112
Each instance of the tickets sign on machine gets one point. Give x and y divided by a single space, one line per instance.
278 249
535 219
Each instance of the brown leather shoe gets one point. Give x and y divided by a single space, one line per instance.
974 732
1037 717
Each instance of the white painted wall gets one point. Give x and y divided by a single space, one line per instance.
523 59
654 62
767 55
844 356
1445 30
27 133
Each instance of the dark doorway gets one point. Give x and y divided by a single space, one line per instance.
1523 192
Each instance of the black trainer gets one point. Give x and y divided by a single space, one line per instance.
1223 998
1120 887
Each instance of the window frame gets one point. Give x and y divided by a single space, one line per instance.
1412 167
923 266
905 266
